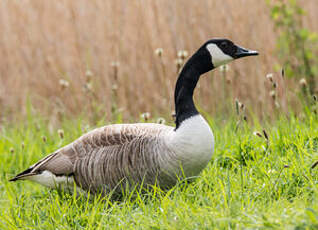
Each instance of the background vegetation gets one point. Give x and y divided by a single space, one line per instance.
62 56
69 66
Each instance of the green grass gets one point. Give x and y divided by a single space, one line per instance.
250 183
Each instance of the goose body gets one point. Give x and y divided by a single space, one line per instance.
120 155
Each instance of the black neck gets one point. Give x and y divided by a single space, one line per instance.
198 64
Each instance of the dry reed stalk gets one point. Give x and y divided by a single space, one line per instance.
45 41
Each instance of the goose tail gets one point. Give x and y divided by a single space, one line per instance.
32 170
23 175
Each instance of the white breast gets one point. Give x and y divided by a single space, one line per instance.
193 144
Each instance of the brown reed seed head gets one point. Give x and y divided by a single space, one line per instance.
173 114
44 139
88 75
303 82
161 120
145 116
11 150
269 77
64 84
242 106
22 145
224 68
314 97
88 87
272 93
159 52
182 54
61 133
115 65
237 106
179 63
257 133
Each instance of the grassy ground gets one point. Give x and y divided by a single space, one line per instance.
251 183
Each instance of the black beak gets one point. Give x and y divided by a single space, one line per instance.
242 52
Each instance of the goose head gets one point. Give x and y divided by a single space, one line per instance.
223 51
217 52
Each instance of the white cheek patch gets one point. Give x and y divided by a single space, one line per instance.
217 55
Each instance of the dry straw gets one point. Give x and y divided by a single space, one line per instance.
145 116
61 133
161 120
47 39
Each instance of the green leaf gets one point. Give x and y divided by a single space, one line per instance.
312 215
304 33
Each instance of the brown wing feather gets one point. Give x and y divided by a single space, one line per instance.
106 142
111 156
60 164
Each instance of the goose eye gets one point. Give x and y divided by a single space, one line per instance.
224 44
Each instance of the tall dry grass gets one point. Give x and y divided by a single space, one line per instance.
43 42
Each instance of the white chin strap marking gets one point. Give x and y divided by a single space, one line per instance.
218 57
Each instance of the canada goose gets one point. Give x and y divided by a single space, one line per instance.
143 153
